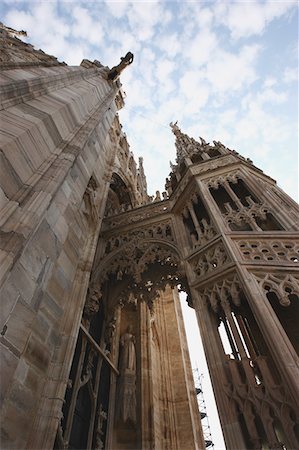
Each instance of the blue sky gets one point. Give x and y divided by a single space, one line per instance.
225 70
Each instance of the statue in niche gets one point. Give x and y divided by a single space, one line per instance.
90 208
128 354
127 378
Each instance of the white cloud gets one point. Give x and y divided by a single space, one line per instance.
199 49
117 8
143 17
84 27
269 82
164 68
290 74
195 89
245 19
169 43
230 72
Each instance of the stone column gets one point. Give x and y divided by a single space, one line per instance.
114 353
146 401
232 195
282 351
194 219
216 360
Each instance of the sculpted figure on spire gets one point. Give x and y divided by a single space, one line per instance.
125 61
175 129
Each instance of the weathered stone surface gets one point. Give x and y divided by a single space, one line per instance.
9 363
37 354
23 281
19 324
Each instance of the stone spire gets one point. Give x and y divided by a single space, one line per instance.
186 146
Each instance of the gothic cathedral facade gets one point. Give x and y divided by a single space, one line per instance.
93 347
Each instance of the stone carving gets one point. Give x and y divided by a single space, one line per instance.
221 293
211 259
128 353
270 250
102 416
207 232
188 147
91 306
157 231
87 370
127 378
139 214
214 182
135 258
208 165
281 284
90 201
14 52
257 395
110 330
246 214
284 200
158 197
125 61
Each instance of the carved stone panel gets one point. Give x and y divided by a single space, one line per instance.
215 181
158 231
281 283
139 214
270 250
209 259
260 397
220 293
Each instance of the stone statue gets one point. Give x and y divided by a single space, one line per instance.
126 399
128 353
125 61
175 128
158 197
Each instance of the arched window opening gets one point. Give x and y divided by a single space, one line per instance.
80 428
119 198
182 169
200 210
242 191
269 224
188 222
287 315
227 339
221 197
87 395
213 152
196 158
240 226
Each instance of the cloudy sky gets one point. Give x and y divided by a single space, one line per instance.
225 70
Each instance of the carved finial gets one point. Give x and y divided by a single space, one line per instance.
202 141
174 127
125 61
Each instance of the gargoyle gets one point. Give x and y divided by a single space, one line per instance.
125 61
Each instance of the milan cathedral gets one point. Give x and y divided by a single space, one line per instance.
93 345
